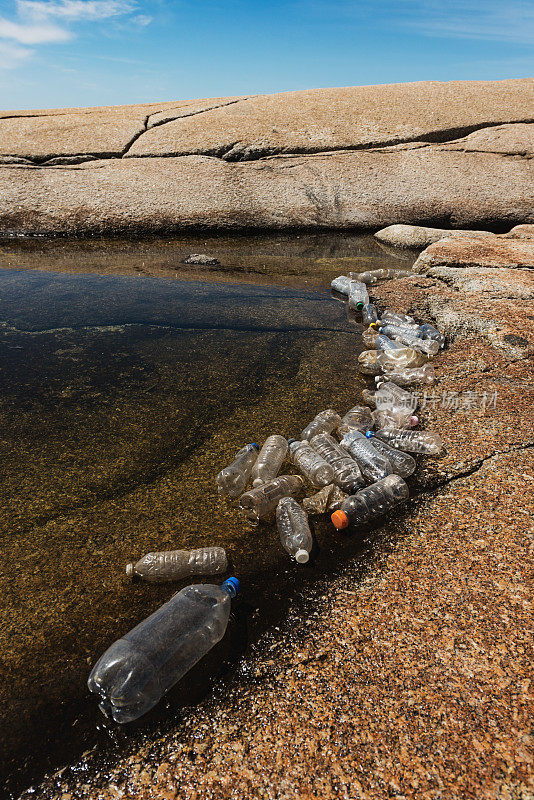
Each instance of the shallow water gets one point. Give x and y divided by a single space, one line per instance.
127 382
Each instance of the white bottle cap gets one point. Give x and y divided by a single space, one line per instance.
302 556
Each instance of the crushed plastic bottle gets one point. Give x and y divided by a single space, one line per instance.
411 376
270 459
232 479
370 277
371 502
385 343
171 565
347 474
260 501
423 442
138 669
341 284
369 364
324 422
372 463
403 464
294 530
369 313
337 498
399 359
393 418
311 464
318 503
358 418
369 337
358 296
429 332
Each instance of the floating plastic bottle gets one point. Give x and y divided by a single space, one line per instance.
372 463
138 669
369 313
232 479
369 337
311 464
370 277
270 459
358 296
260 501
347 474
294 530
324 422
405 357
371 502
411 376
369 364
429 332
341 284
171 565
396 318
423 442
385 343
358 418
394 417
403 464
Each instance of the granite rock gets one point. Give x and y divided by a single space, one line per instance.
494 251
418 236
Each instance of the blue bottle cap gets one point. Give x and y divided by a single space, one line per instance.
232 586
253 444
369 434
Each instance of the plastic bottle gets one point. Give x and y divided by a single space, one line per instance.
371 502
372 463
403 464
337 498
369 337
390 329
370 277
347 474
324 422
369 313
171 565
388 392
232 479
411 376
269 460
394 418
262 500
405 357
311 464
294 530
318 503
429 332
411 339
341 284
369 364
423 442
358 418
396 318
358 296
385 343
138 669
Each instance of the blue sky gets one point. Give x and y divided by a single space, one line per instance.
57 53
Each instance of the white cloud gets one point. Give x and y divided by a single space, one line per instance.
11 55
75 10
38 33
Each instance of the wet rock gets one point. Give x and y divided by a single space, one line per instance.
202 260
418 236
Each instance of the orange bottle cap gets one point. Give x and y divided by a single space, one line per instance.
340 519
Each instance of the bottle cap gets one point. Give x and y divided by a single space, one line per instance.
302 556
414 420
130 571
369 434
340 519
253 444
375 325
359 305
232 586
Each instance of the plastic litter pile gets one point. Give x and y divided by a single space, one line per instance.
353 466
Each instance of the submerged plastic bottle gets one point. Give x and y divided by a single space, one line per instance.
372 463
171 565
399 359
138 669
232 479
429 332
311 464
294 530
358 418
324 422
402 463
358 296
369 364
385 343
369 313
411 376
347 474
341 284
262 500
371 502
423 442
270 459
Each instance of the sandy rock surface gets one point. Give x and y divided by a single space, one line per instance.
492 251
454 154
418 236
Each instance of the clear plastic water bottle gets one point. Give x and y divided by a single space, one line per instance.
372 463
171 565
318 503
313 467
369 364
396 318
390 329
269 460
383 342
232 479
371 502
341 284
358 418
370 314
358 296
402 463
411 339
394 418
138 669
347 474
369 337
422 442
405 357
294 530
262 500
370 277
411 376
325 422
429 332
388 392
